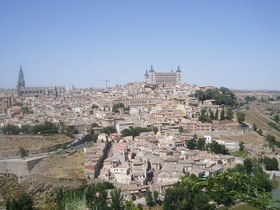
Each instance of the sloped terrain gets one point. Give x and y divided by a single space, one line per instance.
62 166
258 114
43 189
12 142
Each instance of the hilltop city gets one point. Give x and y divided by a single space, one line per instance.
143 137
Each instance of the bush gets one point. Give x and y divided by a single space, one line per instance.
23 152
23 202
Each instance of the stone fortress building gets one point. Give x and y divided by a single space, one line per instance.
21 90
161 78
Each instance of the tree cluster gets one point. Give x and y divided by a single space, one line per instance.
249 99
109 130
134 131
42 128
207 115
222 96
272 141
26 110
214 147
259 131
274 126
23 152
118 106
152 199
222 189
270 163
92 197
240 117
276 118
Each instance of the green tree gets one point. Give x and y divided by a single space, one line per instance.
240 117
229 114
45 128
222 115
117 199
155 196
135 131
23 152
94 125
255 127
270 163
218 148
191 144
126 132
211 115
155 129
216 117
201 145
26 110
117 106
181 129
260 132
149 199
26 129
129 205
23 202
10 129
109 129
276 118
241 146
187 195
84 197
222 96
204 116
248 166
200 95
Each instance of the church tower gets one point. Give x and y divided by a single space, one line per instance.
20 82
178 75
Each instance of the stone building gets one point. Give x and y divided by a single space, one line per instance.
161 78
21 90
5 103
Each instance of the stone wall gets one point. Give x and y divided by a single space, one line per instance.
19 167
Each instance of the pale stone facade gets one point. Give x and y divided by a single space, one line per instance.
161 78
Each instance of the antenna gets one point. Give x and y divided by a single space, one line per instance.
104 80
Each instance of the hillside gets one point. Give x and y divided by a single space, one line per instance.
62 166
260 114
9 144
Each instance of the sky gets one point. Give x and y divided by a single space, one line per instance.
230 43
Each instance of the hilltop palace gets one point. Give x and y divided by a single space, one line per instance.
21 90
160 78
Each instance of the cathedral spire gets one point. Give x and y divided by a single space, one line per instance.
146 74
152 69
179 70
21 81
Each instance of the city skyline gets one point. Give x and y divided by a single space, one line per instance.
219 43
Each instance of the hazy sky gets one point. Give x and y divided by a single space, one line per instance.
232 43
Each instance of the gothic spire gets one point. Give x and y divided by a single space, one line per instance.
152 69
21 81
179 70
146 75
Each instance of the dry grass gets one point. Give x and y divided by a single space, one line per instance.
30 142
248 138
62 166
